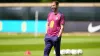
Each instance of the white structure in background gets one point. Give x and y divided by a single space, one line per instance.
1 26
68 51
36 23
63 51
24 26
71 52
79 51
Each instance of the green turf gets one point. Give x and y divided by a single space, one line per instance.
16 45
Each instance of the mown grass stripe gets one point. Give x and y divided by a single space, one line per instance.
10 48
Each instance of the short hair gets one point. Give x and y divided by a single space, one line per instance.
57 3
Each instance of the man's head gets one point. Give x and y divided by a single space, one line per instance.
54 5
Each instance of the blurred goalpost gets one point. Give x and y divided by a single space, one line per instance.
36 23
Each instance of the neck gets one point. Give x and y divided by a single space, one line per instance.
55 11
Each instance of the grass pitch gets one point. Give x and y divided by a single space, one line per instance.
16 45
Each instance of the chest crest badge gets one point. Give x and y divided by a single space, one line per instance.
56 18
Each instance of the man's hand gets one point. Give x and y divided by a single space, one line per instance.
60 33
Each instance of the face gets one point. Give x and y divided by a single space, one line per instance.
54 7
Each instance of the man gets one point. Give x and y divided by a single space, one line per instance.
55 23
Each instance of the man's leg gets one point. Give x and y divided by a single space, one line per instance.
48 46
57 46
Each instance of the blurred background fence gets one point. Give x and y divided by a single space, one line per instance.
31 17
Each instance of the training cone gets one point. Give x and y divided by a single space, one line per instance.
27 53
